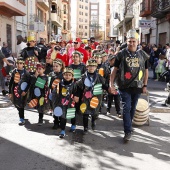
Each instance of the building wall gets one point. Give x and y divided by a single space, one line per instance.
107 31
82 30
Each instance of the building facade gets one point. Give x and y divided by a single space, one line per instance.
94 19
82 19
9 9
158 12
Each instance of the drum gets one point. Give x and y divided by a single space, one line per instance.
142 111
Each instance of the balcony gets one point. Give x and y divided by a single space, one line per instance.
65 1
44 4
166 5
56 20
12 8
157 11
145 8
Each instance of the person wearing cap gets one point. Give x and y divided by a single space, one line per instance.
55 77
77 43
18 88
30 54
79 69
92 85
42 50
63 101
116 95
39 91
131 68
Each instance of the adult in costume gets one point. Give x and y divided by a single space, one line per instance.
132 69
30 55
77 43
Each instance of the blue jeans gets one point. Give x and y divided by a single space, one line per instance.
129 102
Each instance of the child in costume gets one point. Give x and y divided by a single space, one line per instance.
55 78
18 87
39 91
79 69
92 85
103 70
63 101
115 96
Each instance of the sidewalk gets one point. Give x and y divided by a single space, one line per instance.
4 100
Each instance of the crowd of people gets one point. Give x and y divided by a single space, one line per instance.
70 78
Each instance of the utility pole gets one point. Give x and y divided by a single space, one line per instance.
49 11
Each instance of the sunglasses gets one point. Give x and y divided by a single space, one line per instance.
75 42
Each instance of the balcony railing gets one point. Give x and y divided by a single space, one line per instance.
157 7
145 8
166 5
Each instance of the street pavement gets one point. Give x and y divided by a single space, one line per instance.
31 147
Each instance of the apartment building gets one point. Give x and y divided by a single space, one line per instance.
66 4
158 12
9 9
82 19
124 22
94 19
107 30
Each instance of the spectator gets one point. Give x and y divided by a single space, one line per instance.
5 50
20 45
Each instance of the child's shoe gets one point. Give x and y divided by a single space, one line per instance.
22 122
55 127
85 131
40 122
73 128
93 125
62 134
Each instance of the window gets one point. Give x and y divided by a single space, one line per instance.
79 12
86 1
82 13
80 19
79 6
86 14
64 24
40 14
85 20
85 27
64 9
53 8
86 7
85 34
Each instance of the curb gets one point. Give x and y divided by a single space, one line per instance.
159 110
5 103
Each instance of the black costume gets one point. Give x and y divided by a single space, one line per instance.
19 83
62 100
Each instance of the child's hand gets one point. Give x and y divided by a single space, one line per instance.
10 96
23 93
36 52
36 73
76 99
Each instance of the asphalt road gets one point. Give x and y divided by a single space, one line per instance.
32 147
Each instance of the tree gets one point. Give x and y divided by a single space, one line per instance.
128 7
